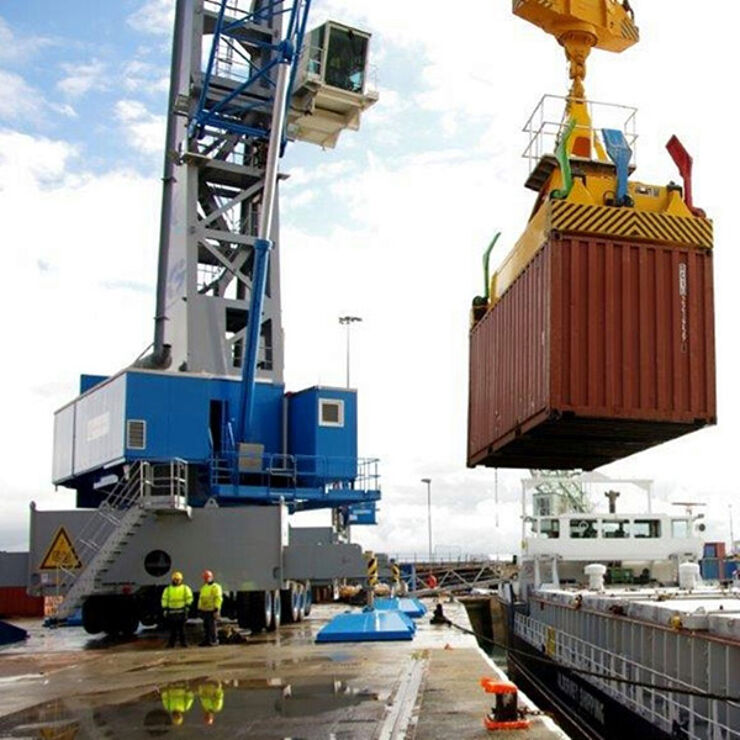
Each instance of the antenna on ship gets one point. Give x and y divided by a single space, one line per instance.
690 506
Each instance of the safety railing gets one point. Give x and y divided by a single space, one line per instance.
696 717
279 471
165 486
548 121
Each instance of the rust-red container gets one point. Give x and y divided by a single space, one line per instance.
598 350
15 602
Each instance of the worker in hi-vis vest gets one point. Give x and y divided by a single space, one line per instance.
209 605
176 600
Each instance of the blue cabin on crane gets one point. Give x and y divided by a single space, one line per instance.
304 453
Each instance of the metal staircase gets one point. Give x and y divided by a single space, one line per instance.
145 488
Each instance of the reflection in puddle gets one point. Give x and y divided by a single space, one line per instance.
236 708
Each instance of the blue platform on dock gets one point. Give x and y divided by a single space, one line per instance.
368 626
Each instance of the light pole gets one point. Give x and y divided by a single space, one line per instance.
347 321
428 481
732 532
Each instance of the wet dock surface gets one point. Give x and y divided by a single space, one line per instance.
68 685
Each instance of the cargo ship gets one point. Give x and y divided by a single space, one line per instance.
609 623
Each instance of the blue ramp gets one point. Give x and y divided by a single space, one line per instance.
410 607
368 626
10 634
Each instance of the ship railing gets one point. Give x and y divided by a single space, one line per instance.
548 121
697 717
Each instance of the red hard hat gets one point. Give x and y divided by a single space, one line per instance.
207 575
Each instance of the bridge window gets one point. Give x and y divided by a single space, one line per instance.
646 528
550 528
583 529
616 528
680 528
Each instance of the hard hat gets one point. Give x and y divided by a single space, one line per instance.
209 718
207 576
177 576
177 718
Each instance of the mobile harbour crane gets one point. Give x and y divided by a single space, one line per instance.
194 455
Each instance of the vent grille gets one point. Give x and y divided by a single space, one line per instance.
136 434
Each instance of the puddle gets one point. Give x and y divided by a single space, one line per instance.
272 707
341 657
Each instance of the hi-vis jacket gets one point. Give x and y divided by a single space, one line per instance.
177 598
211 597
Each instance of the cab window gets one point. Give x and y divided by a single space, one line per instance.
583 529
646 528
616 528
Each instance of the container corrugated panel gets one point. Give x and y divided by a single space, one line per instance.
599 349
15 602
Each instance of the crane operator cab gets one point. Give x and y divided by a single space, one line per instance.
333 85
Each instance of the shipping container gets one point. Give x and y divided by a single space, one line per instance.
13 569
599 349
15 602
714 550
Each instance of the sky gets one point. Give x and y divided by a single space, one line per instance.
389 226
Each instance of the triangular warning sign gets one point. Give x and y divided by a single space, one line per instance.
61 553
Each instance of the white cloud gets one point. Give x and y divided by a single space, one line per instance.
19 47
154 16
145 78
28 163
146 130
64 109
83 78
22 102
82 224
18 99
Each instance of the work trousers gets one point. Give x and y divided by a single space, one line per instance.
209 627
177 621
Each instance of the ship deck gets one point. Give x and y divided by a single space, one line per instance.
71 685
707 610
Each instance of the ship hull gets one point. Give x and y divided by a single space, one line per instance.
584 711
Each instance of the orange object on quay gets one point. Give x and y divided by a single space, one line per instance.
601 348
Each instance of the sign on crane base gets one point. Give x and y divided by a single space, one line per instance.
61 553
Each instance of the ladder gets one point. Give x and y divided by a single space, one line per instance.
144 488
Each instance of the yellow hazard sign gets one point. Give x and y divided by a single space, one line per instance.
61 553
